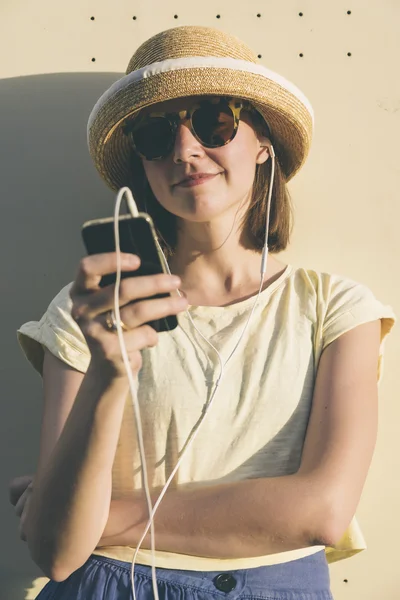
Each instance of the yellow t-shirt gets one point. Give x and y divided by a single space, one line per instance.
257 423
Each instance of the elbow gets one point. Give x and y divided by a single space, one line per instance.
57 575
334 531
326 531
52 558
327 537
44 555
324 537
325 513
50 552
48 566
46 562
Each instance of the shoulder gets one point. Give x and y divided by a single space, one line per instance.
339 304
336 295
331 290
58 332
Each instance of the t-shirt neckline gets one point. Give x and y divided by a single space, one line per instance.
242 304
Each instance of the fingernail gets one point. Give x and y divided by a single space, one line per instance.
133 260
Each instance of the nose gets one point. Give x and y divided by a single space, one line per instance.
186 145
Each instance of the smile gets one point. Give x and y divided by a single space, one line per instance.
197 181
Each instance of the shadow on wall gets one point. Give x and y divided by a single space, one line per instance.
49 187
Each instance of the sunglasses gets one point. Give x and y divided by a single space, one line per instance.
214 123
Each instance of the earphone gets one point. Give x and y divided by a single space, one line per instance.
152 510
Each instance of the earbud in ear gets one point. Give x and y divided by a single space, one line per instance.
271 150
266 143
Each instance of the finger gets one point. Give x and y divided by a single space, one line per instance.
135 340
131 288
139 313
138 339
19 507
17 486
92 268
22 534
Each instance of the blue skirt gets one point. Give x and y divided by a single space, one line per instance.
103 578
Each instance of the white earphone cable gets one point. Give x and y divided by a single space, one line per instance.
152 510
132 205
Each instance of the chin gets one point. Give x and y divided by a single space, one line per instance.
198 209
205 214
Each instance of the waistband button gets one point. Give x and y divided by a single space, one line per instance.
225 582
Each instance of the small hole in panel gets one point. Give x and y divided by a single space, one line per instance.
218 16
258 15
175 16
260 56
92 18
134 18
301 14
349 12
349 54
345 580
93 60
301 55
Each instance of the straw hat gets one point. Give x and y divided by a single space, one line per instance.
194 61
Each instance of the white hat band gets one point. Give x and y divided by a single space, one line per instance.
176 64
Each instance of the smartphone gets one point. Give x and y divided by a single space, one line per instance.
137 236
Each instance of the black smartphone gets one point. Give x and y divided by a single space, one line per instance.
137 236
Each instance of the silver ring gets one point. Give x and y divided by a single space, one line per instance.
111 322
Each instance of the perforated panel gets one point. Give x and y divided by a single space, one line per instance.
58 58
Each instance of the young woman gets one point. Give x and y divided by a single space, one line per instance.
266 494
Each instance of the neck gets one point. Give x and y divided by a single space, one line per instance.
217 268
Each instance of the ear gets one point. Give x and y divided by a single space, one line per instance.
265 150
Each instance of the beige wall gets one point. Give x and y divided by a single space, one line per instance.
346 198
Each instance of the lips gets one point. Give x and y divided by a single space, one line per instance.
196 178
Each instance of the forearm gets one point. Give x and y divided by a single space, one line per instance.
243 519
71 495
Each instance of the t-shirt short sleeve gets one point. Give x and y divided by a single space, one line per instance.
58 332
349 304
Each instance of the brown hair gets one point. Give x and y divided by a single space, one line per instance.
253 223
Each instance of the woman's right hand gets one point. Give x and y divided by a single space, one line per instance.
91 303
20 491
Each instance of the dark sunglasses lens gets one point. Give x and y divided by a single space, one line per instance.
214 124
153 137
